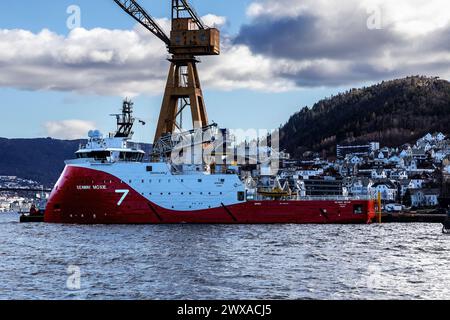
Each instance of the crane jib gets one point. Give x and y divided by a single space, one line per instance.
140 15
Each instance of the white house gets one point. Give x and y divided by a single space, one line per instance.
386 188
399 174
396 160
411 165
446 169
440 136
419 154
405 184
428 137
406 153
360 187
378 174
356 160
417 183
424 197
439 156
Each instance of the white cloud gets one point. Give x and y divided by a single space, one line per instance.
213 21
409 16
68 129
288 44
413 17
320 42
98 61
116 62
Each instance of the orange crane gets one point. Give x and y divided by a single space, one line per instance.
188 39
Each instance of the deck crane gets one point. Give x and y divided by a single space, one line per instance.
188 39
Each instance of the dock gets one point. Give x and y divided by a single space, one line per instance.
430 216
413 218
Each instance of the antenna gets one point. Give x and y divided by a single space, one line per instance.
125 120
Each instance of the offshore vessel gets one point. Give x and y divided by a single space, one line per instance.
110 182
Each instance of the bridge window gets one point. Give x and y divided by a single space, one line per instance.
97 155
241 196
131 157
149 168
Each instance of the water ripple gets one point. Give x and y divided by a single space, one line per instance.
389 261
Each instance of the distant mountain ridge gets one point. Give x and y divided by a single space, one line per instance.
392 112
40 159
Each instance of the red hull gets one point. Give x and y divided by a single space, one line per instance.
67 204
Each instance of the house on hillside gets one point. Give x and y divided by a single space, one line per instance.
379 174
360 186
424 197
405 185
419 154
386 188
398 174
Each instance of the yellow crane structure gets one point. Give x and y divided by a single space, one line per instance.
189 38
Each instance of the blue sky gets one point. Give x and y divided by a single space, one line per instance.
27 110
246 101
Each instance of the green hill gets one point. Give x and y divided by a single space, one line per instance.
392 112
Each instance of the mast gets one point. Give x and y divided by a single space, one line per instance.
125 121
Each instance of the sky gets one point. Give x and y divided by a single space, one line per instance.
277 57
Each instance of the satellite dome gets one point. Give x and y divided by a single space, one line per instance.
95 134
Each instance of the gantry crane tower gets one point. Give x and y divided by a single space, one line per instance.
188 39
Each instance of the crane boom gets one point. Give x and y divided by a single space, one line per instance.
179 6
140 15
